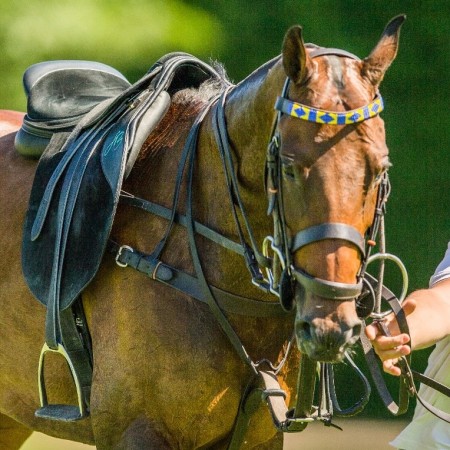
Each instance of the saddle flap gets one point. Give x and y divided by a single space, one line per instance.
74 233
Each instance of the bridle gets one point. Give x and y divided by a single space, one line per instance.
283 276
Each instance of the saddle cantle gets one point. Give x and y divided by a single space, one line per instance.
58 94
77 184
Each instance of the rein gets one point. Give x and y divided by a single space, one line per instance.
275 260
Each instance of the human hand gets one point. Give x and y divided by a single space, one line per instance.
391 348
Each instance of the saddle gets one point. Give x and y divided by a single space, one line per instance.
94 124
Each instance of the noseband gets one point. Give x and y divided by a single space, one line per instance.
283 275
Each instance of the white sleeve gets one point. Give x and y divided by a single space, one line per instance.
443 269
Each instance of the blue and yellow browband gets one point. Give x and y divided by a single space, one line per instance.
316 115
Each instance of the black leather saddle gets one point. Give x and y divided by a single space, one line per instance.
97 122
78 178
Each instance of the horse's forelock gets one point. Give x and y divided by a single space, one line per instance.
338 84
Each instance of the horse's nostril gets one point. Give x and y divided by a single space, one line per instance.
357 329
303 330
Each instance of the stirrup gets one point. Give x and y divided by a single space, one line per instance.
64 413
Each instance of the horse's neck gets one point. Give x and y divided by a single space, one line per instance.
250 117
250 114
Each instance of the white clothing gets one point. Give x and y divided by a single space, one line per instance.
427 432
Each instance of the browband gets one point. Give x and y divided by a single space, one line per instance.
317 115
322 116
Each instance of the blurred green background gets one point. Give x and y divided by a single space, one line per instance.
131 35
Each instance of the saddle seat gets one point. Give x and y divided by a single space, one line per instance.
59 94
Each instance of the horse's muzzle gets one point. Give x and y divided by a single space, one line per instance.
326 328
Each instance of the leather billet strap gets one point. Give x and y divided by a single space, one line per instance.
187 284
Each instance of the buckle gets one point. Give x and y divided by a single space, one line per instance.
119 254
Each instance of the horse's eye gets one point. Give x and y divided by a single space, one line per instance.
287 168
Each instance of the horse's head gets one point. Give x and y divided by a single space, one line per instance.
331 169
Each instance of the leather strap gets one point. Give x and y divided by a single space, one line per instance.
191 143
180 219
328 231
189 285
328 289
372 359
407 386
77 342
323 51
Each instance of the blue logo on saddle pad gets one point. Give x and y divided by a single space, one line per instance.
116 141
112 156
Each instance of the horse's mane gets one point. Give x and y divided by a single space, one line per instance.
185 105
208 89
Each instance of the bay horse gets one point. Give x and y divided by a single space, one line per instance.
165 375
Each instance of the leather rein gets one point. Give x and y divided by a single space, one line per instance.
275 260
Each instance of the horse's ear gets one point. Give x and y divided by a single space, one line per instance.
296 61
381 57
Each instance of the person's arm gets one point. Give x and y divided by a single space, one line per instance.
428 316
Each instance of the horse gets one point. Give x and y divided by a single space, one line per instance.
165 374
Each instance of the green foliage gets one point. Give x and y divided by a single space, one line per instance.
131 35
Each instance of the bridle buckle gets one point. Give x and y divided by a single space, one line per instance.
119 254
